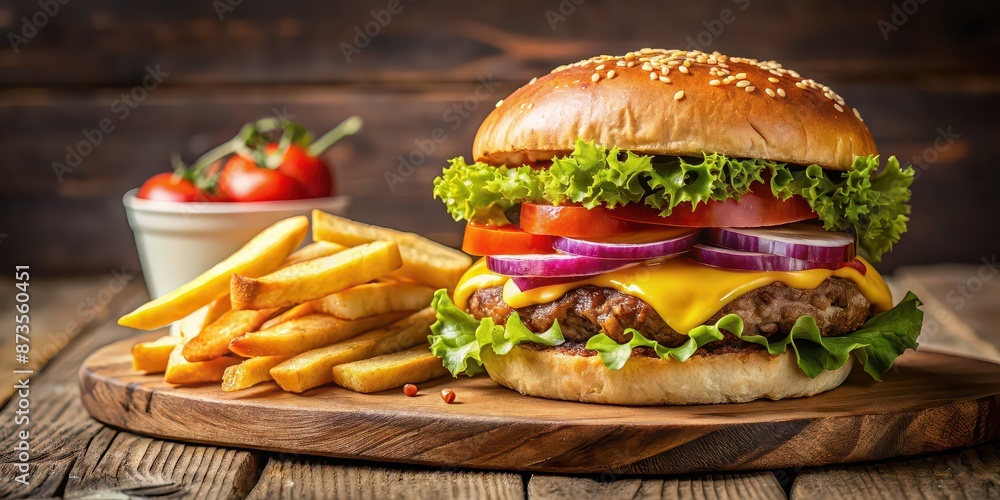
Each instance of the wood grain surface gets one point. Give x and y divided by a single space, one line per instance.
294 476
930 402
973 473
721 486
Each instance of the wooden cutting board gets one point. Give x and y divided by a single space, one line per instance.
929 402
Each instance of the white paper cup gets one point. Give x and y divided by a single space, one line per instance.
179 241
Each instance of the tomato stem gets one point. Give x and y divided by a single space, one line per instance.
347 127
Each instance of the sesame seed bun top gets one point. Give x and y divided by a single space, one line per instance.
671 102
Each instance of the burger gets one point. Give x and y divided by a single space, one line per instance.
674 227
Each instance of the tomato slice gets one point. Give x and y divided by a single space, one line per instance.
573 221
481 239
757 208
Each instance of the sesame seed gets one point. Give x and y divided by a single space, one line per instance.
630 64
857 113
687 63
664 79
652 76
772 79
769 92
499 103
781 92
679 95
530 105
533 80
800 85
647 67
621 63
741 76
611 74
595 77
743 83
750 88
682 69
714 83
629 56
727 80
665 69
838 108
599 68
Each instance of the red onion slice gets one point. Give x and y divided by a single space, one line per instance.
525 284
798 241
754 261
557 265
636 246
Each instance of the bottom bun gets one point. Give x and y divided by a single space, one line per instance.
715 378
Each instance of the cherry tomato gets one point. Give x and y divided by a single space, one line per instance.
757 208
243 180
572 221
481 239
169 187
309 171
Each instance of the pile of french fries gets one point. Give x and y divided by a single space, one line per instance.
350 308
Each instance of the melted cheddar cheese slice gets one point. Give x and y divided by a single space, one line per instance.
685 293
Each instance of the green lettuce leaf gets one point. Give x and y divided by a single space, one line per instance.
876 344
873 204
458 338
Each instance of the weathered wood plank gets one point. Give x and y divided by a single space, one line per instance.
437 40
289 476
59 310
973 473
120 463
60 427
748 486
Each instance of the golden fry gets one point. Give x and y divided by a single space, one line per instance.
424 261
215 310
312 251
389 371
305 333
315 368
182 371
152 356
263 254
375 298
250 372
213 341
316 278
293 313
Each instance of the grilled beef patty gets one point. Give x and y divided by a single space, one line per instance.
837 305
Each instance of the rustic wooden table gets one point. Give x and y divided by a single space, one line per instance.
74 456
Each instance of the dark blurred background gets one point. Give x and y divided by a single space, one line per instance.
922 73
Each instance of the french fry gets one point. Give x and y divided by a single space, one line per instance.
315 368
181 371
375 298
305 333
424 261
213 341
262 255
412 366
250 372
316 278
215 310
312 251
152 356
293 313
